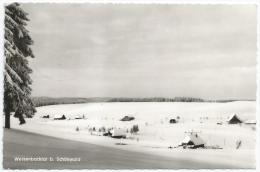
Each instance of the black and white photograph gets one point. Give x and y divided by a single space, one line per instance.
129 85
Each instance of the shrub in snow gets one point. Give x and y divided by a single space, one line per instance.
238 144
134 129
102 129
131 131
77 128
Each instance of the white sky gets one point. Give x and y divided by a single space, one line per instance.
97 50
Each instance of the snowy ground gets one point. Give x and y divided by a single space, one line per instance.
156 133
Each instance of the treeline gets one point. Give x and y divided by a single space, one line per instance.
157 99
44 101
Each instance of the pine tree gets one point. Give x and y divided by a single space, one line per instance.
17 72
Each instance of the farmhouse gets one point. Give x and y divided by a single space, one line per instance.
79 117
234 120
127 118
46 116
192 140
250 122
118 133
173 121
59 117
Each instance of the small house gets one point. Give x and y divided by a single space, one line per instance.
59 117
234 119
192 140
127 118
46 116
79 117
173 121
118 133
250 122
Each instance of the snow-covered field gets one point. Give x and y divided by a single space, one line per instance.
156 133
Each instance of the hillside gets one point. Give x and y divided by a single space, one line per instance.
44 101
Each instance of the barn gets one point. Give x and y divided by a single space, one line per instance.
79 117
118 133
173 121
59 117
250 122
234 119
127 118
192 140
46 116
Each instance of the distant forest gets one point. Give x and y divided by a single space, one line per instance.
44 101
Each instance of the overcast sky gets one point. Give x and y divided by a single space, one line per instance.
97 50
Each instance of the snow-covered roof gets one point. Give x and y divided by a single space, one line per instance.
118 132
193 137
78 116
251 121
233 116
58 116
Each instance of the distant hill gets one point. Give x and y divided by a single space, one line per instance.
44 101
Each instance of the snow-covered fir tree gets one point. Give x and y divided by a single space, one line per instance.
17 50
